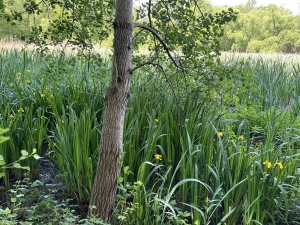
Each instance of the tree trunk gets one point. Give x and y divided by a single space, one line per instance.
105 183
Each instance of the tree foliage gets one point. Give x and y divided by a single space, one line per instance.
262 29
257 29
185 36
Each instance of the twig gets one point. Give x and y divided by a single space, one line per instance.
153 32
149 13
147 63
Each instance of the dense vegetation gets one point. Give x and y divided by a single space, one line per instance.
257 29
264 29
231 156
207 138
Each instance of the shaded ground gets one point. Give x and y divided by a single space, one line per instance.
46 196
49 175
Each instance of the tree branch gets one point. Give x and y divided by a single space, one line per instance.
149 13
154 33
147 63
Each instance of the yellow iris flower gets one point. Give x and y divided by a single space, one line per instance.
221 134
158 157
279 164
268 164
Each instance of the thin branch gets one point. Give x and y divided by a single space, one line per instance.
137 34
164 73
147 63
149 13
154 33
150 21
169 16
204 19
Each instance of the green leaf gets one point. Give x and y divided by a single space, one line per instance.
120 180
2 162
2 131
138 183
24 153
185 214
17 165
2 175
36 156
22 158
173 202
25 168
126 168
7 210
3 139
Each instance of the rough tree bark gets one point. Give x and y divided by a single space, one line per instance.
105 183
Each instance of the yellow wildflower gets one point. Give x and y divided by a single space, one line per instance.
221 134
34 150
241 137
12 116
62 121
51 96
28 71
42 95
268 164
19 73
279 164
21 110
156 120
11 84
158 157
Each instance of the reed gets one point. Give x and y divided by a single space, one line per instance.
229 158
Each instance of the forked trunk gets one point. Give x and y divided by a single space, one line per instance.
105 183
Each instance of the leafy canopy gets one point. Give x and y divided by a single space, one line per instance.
180 33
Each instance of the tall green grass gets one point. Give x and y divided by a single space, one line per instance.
35 91
231 158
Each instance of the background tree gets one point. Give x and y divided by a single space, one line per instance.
249 6
9 29
262 29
